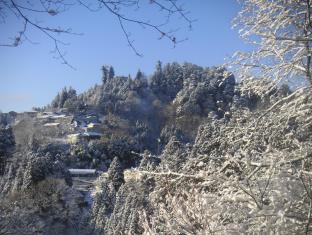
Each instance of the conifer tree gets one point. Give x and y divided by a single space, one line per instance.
7 142
139 75
111 72
115 173
104 73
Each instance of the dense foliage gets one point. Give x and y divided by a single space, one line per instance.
186 151
247 174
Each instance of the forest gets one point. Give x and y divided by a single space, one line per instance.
185 150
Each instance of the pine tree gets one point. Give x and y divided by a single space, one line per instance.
107 73
56 101
157 77
104 73
71 93
7 143
111 72
115 174
63 97
139 75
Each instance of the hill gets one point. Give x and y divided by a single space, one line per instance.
184 151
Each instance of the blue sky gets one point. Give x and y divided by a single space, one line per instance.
29 76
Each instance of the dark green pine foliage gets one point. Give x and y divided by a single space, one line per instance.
104 73
115 174
167 81
7 143
65 98
108 73
139 75
111 72
157 78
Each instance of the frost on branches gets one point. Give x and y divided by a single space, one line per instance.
251 174
280 32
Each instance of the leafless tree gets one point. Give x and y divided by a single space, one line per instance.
29 14
281 33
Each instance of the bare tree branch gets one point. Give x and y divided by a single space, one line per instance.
28 11
281 33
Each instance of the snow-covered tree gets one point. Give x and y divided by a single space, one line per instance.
280 32
115 174
7 142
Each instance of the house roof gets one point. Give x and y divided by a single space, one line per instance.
52 124
93 124
82 171
91 133
73 135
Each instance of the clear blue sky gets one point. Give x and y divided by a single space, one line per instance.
29 76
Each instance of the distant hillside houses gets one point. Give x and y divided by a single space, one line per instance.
77 137
51 115
54 119
32 113
88 127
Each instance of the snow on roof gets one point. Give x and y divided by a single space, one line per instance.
58 116
81 171
91 116
91 133
94 124
44 116
31 112
74 135
52 124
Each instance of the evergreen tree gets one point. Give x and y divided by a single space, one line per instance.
115 174
71 93
157 77
63 97
107 73
104 73
139 75
67 98
159 67
111 72
7 142
56 101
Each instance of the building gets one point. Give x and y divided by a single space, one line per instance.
91 118
52 124
89 135
82 172
93 127
73 138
